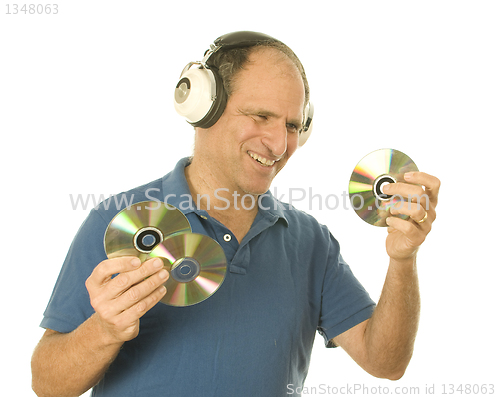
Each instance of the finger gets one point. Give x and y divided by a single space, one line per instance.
148 302
125 324
410 192
406 191
103 272
103 289
141 290
430 183
415 235
414 210
124 291
125 280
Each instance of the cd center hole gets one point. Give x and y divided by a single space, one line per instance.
185 270
148 240
379 185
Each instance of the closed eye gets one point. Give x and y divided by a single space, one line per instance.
264 116
292 128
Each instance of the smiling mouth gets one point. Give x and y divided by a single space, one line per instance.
262 160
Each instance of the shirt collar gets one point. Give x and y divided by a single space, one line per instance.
176 190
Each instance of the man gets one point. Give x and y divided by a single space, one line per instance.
286 278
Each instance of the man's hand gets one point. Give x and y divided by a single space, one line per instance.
406 236
121 301
383 345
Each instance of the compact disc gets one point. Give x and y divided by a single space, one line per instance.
137 229
368 178
197 267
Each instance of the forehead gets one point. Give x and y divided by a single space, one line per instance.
269 75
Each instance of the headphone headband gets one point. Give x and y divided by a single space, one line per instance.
242 39
236 40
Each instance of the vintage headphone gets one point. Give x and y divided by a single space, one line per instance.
200 96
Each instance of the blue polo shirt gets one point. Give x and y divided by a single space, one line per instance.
254 336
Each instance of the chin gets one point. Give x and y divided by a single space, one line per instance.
256 190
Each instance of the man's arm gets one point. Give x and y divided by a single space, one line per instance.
383 344
70 364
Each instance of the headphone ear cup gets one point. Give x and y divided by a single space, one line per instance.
200 96
193 94
308 124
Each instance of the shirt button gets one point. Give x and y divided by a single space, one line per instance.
227 237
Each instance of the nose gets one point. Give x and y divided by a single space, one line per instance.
275 139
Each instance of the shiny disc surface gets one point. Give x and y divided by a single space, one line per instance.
369 176
197 267
137 229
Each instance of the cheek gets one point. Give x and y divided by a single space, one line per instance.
228 135
238 129
292 144
246 129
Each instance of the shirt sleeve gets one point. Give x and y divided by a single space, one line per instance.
69 306
345 303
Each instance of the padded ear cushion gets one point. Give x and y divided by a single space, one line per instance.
218 105
199 96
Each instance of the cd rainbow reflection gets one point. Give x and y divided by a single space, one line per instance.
197 267
137 229
370 174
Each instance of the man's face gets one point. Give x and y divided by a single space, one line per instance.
259 130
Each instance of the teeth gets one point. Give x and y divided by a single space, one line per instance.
262 160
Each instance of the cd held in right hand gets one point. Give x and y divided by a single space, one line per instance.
119 302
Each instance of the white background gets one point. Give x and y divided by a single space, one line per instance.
86 108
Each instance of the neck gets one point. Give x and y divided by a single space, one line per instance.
234 209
